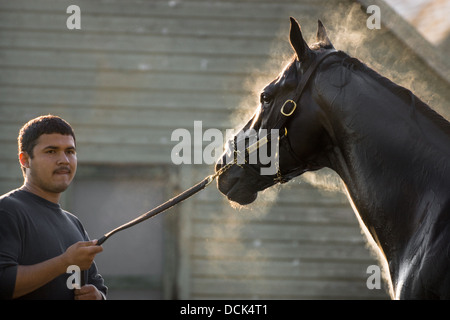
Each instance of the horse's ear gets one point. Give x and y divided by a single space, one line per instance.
322 35
297 42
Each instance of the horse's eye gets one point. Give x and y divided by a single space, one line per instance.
265 98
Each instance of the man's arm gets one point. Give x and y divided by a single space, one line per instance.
30 278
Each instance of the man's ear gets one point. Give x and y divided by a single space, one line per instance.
24 159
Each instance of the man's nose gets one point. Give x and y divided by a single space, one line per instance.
63 158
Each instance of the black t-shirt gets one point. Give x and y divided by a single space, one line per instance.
33 230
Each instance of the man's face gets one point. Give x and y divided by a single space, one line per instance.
54 163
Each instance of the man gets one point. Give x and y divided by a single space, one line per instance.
39 240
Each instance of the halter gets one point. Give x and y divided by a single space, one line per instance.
287 110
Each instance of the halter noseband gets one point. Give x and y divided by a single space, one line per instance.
287 110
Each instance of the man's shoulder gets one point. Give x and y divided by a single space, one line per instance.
12 207
18 202
10 200
71 216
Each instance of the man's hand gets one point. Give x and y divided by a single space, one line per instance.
88 292
32 277
82 254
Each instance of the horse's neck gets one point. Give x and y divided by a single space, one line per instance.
384 155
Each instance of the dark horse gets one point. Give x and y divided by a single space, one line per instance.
390 149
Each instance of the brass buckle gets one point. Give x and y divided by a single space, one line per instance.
292 111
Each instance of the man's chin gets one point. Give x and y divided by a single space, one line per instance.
59 187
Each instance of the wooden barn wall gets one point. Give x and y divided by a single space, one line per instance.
138 70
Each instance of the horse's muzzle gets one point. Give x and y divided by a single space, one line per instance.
232 183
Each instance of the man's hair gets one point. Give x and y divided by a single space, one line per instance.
33 129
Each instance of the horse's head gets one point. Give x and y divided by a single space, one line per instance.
290 115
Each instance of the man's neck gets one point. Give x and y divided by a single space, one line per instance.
49 196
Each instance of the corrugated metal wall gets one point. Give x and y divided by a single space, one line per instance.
136 71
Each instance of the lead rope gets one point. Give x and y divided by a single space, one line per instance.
168 204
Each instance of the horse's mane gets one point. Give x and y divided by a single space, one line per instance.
403 93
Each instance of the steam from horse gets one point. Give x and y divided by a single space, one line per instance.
391 150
